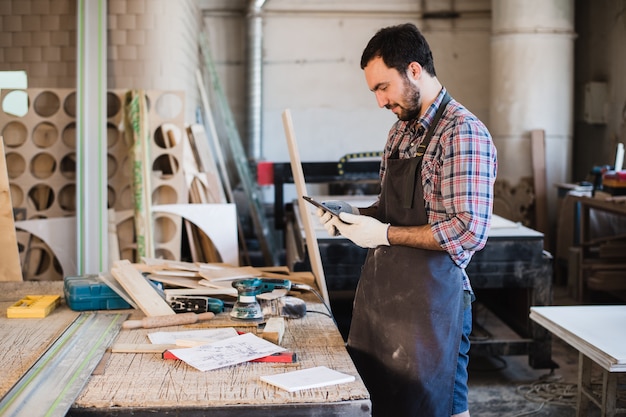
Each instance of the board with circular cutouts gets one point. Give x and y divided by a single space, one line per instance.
40 147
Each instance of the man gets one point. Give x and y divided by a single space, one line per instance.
409 335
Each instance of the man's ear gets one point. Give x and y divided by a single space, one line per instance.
414 71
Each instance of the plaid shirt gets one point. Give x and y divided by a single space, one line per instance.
458 172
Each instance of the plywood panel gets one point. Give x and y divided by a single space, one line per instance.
10 269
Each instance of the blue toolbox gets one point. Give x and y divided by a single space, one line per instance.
88 292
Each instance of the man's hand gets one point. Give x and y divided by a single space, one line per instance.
325 220
337 206
365 231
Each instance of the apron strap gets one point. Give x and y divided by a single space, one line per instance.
409 191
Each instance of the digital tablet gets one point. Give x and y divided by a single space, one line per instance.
320 205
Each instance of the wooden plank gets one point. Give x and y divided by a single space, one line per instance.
140 348
144 294
228 273
199 144
113 241
200 290
538 147
10 269
137 128
177 281
274 330
298 178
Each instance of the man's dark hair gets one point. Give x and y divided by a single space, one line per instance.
398 46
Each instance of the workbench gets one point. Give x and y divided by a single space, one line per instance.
602 233
141 384
597 332
508 276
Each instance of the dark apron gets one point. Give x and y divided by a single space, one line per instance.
407 318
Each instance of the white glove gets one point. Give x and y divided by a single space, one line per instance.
325 218
365 231
337 206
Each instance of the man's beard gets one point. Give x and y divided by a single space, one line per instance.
412 103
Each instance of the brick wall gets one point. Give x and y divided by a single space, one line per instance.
152 44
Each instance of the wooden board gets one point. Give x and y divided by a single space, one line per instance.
137 128
199 145
217 221
538 147
144 294
309 230
10 269
59 234
595 331
140 348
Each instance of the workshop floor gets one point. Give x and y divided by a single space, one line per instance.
509 387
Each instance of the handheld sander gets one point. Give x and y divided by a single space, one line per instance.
247 306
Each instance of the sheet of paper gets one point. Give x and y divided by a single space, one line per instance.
232 351
319 376
210 335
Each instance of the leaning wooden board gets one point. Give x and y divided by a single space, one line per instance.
10 269
145 295
309 230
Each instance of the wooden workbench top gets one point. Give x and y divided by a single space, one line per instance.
23 341
130 382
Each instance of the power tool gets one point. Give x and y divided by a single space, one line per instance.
247 307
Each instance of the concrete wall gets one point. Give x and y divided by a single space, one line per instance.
311 55
152 44
39 36
600 56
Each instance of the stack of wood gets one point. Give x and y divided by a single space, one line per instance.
180 162
189 278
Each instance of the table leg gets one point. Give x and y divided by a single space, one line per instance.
609 394
584 385
540 350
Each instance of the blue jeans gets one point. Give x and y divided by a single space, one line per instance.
459 404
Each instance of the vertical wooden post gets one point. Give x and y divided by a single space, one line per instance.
538 150
584 385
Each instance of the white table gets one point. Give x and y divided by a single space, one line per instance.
599 335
